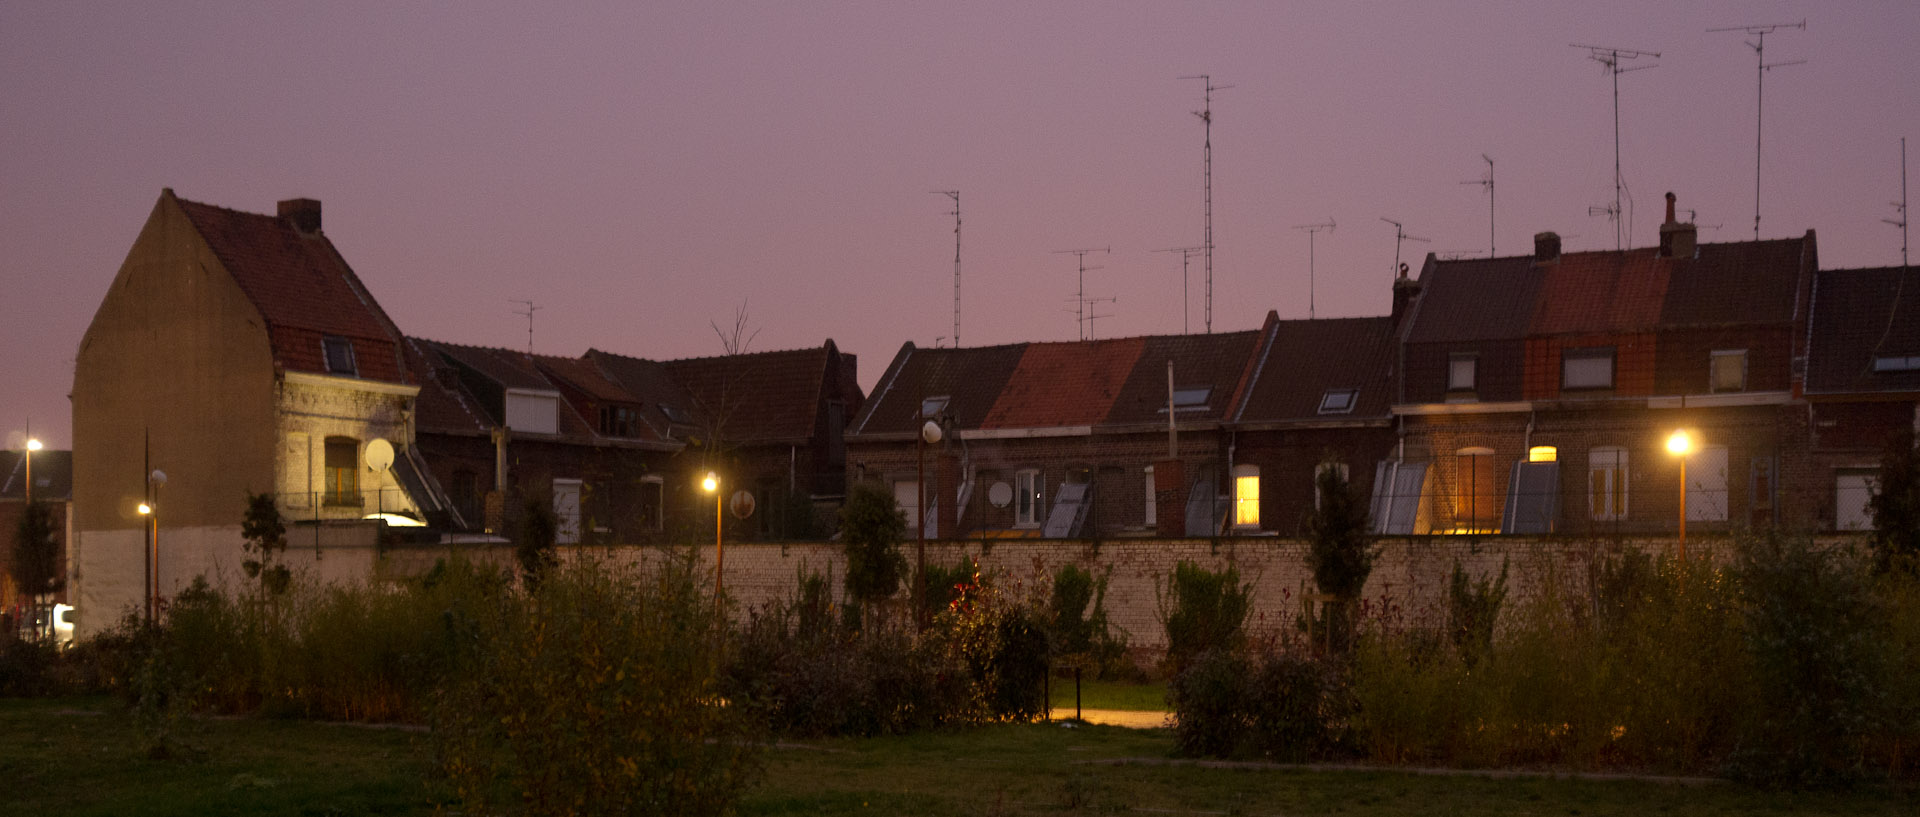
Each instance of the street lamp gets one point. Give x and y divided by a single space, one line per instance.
32 446
929 434
1680 444
150 510
712 485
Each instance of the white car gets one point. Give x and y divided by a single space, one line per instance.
54 621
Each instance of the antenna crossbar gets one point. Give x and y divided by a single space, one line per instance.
1206 172
1399 236
1080 292
955 195
1611 58
526 310
1759 46
1488 184
1186 254
1311 230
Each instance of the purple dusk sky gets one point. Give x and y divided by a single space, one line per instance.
640 170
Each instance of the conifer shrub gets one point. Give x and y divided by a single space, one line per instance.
1202 610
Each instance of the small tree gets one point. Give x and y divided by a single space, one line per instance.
266 539
1896 505
1339 553
534 539
37 571
871 527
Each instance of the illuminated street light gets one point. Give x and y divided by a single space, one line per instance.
1680 445
32 446
712 485
929 434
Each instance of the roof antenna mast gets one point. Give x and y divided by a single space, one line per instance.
1186 253
1399 236
955 195
1901 205
1610 58
1206 173
1080 299
1325 226
1759 46
1488 184
526 311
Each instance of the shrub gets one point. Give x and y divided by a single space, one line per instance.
534 536
871 528
1473 608
1210 698
942 586
1001 647
1414 701
1203 610
1339 552
1895 505
1299 709
639 727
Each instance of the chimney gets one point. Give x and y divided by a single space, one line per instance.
304 214
1546 246
1405 291
1677 240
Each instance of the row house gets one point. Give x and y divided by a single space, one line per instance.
1181 435
1539 393
1863 383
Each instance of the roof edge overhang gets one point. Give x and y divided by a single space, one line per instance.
1308 425
1887 396
1417 409
334 381
1750 398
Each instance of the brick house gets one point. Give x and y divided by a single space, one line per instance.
1538 391
237 353
1863 383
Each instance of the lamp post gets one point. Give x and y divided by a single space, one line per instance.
929 434
712 485
32 446
1680 445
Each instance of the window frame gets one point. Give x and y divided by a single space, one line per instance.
1587 354
1029 498
341 482
1608 464
1713 369
329 344
1246 497
1469 497
1471 381
1152 515
1345 406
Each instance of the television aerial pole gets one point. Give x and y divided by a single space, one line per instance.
1400 235
1186 253
1206 172
1901 205
955 195
1080 292
1488 184
1759 46
1610 58
526 310
1325 226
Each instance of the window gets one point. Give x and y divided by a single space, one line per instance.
1543 453
1533 497
1852 490
619 421
1729 370
343 471
1246 496
1339 468
652 503
1338 401
932 406
1153 501
534 411
1707 484
1896 364
675 415
1026 499
1461 371
1476 505
1191 398
339 354
1607 483
566 511
1586 368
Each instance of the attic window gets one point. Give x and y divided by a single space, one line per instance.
1191 399
1896 364
1587 368
339 354
619 421
1339 401
932 406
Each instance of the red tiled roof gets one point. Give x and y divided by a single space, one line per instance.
761 396
1308 358
1858 315
302 287
1064 384
1590 292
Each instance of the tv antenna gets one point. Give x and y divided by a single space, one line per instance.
955 195
526 310
1206 173
1325 226
1610 58
1400 235
1080 292
1488 184
1185 254
1901 205
1759 46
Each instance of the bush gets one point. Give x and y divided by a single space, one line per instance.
1203 610
1473 608
1299 709
1210 700
942 586
1002 647
871 529
639 727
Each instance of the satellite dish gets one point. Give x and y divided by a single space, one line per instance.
1000 494
742 504
379 454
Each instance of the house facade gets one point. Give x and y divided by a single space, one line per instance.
1863 384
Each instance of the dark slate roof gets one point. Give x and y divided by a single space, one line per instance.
1307 358
1221 361
502 369
1858 315
1474 299
648 381
971 378
1739 283
587 377
761 396
302 287
52 476
442 405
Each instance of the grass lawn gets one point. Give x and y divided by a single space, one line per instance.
82 757
1108 695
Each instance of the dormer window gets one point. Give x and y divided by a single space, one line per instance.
1729 370
932 406
339 354
1587 368
1461 371
619 421
1339 401
1191 398
534 411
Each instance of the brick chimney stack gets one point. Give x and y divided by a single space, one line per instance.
1546 246
303 213
1677 240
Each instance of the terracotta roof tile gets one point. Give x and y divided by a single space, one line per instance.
302 287
442 405
1591 292
1064 384
1739 283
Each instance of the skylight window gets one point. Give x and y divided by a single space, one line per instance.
339 355
674 414
932 406
1896 364
1339 401
1193 398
